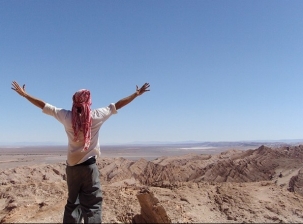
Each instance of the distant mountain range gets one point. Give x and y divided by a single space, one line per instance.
30 143
190 142
286 141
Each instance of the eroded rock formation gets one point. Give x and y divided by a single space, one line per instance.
151 209
233 186
261 164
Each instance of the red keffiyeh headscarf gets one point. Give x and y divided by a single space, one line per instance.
81 117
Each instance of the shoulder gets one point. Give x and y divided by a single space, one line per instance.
51 109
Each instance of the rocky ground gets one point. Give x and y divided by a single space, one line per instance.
257 186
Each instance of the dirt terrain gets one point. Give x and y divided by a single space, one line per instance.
263 185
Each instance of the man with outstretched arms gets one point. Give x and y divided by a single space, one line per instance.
82 125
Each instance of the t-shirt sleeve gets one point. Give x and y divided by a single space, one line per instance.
113 108
58 113
105 112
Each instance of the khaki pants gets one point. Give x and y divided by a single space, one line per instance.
84 194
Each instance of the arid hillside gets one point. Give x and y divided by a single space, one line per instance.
264 185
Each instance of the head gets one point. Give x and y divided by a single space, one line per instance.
81 117
82 97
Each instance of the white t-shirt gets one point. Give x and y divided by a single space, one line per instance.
99 116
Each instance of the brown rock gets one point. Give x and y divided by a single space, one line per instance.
151 210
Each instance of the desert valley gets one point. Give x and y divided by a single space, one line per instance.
193 183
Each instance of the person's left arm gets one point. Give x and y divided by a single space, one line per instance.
123 102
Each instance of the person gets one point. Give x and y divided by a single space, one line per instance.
82 125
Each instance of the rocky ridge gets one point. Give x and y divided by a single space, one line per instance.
261 185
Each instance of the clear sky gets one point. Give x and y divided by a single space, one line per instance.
223 70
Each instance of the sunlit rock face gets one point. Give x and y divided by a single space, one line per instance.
298 183
152 211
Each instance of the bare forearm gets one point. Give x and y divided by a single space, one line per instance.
21 91
121 103
37 102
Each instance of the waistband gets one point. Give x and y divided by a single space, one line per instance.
90 161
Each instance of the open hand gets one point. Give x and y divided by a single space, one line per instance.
18 89
143 89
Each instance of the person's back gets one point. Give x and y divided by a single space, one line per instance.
75 153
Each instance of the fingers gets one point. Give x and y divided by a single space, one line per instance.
15 85
145 86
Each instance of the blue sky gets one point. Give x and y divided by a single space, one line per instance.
218 70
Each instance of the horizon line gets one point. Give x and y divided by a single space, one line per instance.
48 143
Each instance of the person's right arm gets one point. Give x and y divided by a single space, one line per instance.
21 91
123 102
